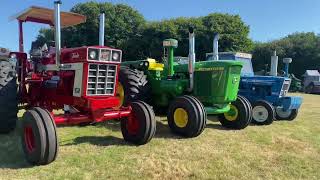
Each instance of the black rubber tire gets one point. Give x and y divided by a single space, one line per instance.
291 117
243 118
271 112
51 134
204 123
249 107
32 119
147 124
44 135
196 116
135 84
8 97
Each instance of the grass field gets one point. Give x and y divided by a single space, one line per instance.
283 150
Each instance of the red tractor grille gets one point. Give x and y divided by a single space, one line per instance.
101 79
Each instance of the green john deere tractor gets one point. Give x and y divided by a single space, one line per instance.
187 90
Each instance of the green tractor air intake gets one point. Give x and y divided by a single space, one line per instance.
187 90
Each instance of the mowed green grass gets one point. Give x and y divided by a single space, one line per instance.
283 150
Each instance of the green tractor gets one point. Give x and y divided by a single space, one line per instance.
187 90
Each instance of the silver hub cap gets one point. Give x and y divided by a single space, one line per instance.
260 113
283 114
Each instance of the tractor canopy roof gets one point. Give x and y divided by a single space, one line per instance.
46 16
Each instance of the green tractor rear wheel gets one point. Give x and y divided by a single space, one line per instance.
8 97
186 116
134 86
239 116
249 107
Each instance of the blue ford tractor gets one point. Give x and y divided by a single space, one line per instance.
267 94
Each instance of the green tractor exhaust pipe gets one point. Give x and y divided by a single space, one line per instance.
192 59
215 47
170 44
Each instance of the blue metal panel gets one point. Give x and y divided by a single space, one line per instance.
256 88
291 102
261 88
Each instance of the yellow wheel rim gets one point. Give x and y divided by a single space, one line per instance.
232 114
180 117
120 94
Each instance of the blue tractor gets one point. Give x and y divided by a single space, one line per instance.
267 94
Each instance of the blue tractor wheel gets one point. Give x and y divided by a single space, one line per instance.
263 113
288 115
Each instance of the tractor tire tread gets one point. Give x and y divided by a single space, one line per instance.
8 97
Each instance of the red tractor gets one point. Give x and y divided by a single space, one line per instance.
82 81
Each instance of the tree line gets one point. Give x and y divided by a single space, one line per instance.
303 48
127 29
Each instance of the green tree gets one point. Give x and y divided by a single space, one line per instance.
303 48
233 32
122 24
126 29
233 35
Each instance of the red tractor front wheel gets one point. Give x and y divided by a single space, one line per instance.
140 126
38 137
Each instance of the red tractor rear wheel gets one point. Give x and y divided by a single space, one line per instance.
39 138
8 97
140 126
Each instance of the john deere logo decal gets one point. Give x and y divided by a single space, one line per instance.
211 69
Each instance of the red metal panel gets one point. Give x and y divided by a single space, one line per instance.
73 55
102 103
97 116
85 79
20 37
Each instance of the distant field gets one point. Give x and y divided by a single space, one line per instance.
283 150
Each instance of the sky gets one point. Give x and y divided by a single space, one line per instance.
268 19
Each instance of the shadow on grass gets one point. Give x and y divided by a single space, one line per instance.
11 153
216 125
164 132
99 141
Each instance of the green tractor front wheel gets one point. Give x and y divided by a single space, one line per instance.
239 116
187 116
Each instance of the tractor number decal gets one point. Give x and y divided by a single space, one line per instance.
235 80
211 69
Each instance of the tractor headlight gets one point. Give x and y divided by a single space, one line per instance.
93 54
13 56
116 55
